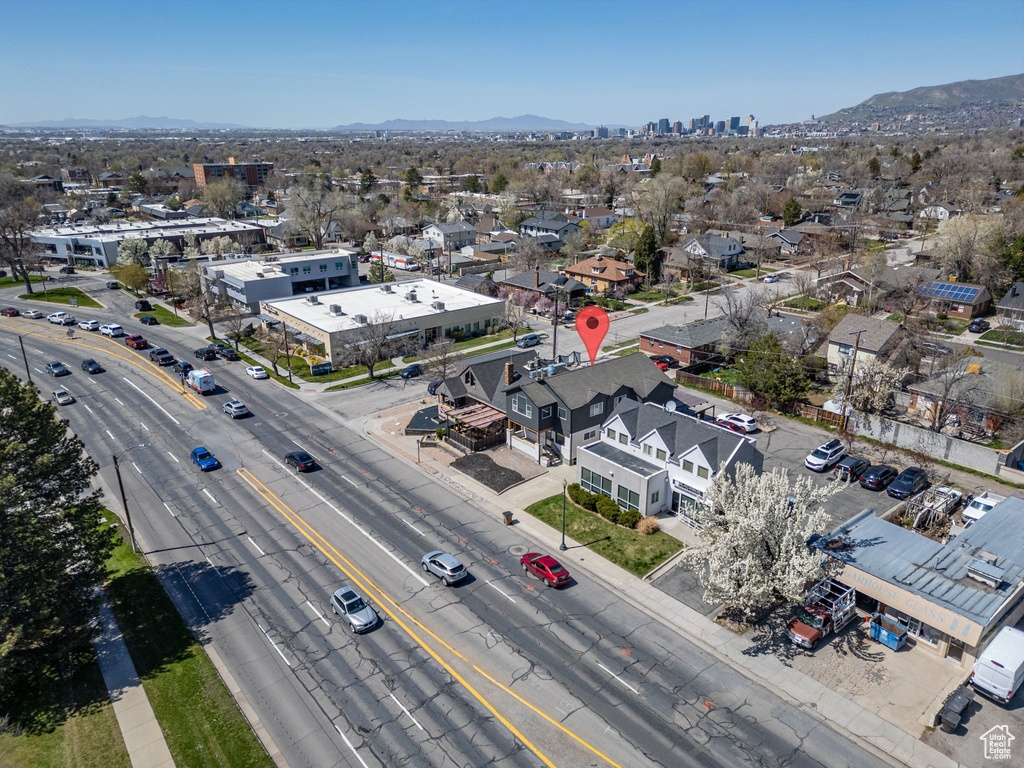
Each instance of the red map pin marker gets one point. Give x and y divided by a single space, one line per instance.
592 326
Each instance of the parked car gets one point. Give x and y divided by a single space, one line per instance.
301 460
741 420
851 468
529 340
878 477
181 367
32 314
432 387
256 372
143 306
771 278
730 426
545 568
206 353
934 349
57 318
668 360
161 357
149 320
135 341
227 353
218 345
979 326
662 365
63 397
57 368
89 325
67 270
445 566
824 457
205 460
91 366
910 481
113 285
113 330
68 320
351 607
411 372
9 312
236 409
364 259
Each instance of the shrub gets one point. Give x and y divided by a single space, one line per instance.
584 498
608 509
440 433
629 518
648 525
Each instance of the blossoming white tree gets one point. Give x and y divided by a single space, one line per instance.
755 534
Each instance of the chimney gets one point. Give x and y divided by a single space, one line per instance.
536 277
1014 289
510 373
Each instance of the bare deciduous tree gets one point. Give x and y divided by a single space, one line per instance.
375 342
442 359
18 216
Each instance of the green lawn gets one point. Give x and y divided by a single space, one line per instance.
648 296
627 548
639 310
805 302
63 296
727 375
751 272
7 282
1004 337
620 345
166 317
201 722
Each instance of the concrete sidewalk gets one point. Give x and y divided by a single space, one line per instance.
142 734
881 736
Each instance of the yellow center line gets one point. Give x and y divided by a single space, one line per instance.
369 586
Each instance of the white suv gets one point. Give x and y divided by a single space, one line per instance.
113 330
825 456
57 318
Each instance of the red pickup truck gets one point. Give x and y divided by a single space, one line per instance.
135 341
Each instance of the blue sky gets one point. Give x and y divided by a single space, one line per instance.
292 64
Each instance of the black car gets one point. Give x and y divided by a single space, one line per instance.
411 371
161 356
668 360
57 368
228 353
181 367
910 481
876 478
113 285
149 320
432 387
143 306
67 270
91 366
301 460
206 353
851 468
979 326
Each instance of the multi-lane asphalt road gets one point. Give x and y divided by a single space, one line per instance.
495 671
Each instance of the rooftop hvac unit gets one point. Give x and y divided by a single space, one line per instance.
386 288
312 299
411 297
259 274
438 305
336 310
361 319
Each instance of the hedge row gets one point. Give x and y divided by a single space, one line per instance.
604 506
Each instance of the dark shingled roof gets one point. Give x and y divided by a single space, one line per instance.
487 383
549 281
692 335
578 387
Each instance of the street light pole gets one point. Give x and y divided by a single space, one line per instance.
124 503
562 546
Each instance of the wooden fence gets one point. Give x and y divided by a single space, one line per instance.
817 414
730 391
470 444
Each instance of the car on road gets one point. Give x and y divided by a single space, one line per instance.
825 456
205 353
143 306
545 568
149 320
235 409
135 341
910 481
256 372
113 285
89 325
57 318
91 366
662 365
301 460
63 397
432 387
741 420
979 326
351 607
57 368
668 360
67 270
182 368
364 259
851 468
730 426
32 314
529 340
113 330
68 320
770 278
9 312
203 459
217 345
161 357
878 477
934 349
227 353
411 371
445 566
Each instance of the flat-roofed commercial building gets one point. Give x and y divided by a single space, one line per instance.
422 310
251 174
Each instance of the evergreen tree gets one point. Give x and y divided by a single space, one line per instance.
366 181
792 212
655 167
413 177
645 257
499 183
379 273
874 168
766 369
471 184
915 162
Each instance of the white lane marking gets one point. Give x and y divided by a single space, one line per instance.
136 467
280 653
144 426
170 510
348 481
356 525
12 357
405 710
491 584
318 615
154 402
109 433
297 443
118 401
209 496
217 570
87 407
255 545
349 743
37 351
38 371
174 457
602 666
413 527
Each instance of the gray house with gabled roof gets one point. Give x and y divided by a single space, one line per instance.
559 413
545 282
688 343
654 459
722 252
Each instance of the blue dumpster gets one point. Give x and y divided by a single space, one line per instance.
889 633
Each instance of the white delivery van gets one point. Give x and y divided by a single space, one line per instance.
200 380
999 670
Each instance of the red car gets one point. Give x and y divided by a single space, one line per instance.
9 312
136 342
662 365
731 427
545 568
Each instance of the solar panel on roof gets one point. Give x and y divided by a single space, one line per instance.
952 291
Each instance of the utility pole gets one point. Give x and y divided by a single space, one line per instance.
849 380
124 503
28 371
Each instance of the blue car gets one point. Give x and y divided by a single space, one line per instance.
205 460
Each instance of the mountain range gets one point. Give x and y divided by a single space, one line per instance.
138 123
520 123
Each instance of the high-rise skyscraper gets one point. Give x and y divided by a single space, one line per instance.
734 123
663 126
602 132
692 124
720 126
748 119
677 127
705 121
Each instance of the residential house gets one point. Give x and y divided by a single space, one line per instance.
480 283
963 300
453 236
968 396
545 283
601 274
849 199
559 411
858 285
878 340
789 240
599 218
653 459
549 223
940 211
723 253
690 343
1011 307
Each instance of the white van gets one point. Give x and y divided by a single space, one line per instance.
999 670
113 330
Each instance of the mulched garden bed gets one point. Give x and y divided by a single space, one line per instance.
483 469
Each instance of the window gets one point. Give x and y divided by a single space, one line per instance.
339 265
522 405
655 496
648 449
660 455
618 399
307 270
545 412
845 349
562 414
702 472
687 466
623 438
293 270
590 435
679 350
323 267
660 345
611 434
593 482
596 409
628 499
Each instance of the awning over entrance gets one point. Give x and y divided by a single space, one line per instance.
477 415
